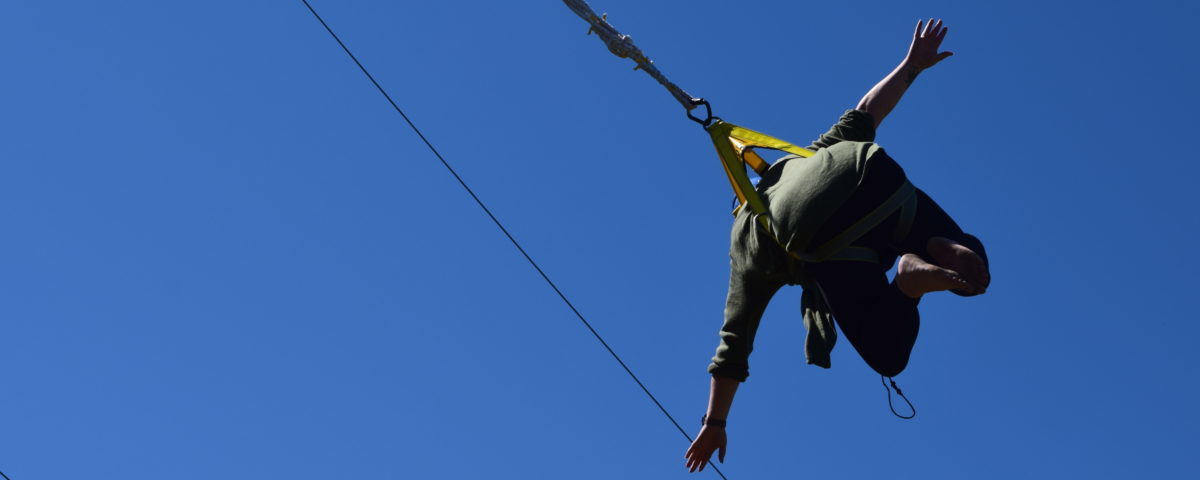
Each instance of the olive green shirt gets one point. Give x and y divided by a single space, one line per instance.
801 193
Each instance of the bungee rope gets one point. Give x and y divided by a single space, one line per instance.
622 46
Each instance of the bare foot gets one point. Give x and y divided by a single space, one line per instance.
954 256
916 277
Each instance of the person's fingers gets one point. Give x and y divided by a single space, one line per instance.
721 454
917 32
928 28
942 56
696 459
942 34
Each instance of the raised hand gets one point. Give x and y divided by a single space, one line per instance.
923 53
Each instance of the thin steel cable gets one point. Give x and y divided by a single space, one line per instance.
5 476
503 229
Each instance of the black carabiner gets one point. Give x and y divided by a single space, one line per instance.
708 117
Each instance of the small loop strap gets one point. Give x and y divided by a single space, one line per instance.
901 394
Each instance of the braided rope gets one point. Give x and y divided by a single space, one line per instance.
622 46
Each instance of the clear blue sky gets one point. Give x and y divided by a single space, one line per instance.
225 256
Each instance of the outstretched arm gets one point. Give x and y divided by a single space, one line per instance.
922 54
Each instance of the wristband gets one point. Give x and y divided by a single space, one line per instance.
714 422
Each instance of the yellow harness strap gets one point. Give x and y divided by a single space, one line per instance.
735 146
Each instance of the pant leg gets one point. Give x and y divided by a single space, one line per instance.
878 320
929 221
879 182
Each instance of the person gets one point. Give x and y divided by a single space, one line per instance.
825 211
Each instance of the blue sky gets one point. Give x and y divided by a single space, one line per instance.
224 255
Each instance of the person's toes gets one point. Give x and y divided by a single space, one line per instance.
954 281
978 272
957 257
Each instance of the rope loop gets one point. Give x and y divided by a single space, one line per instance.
901 394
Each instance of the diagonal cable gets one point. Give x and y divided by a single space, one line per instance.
502 229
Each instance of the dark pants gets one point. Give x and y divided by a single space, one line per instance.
878 320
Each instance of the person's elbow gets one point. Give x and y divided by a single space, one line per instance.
876 115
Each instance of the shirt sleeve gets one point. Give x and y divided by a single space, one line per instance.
748 297
854 126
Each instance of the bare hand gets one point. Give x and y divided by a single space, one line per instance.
923 53
709 439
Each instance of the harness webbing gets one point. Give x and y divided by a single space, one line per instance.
735 146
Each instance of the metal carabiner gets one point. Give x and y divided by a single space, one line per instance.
708 117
